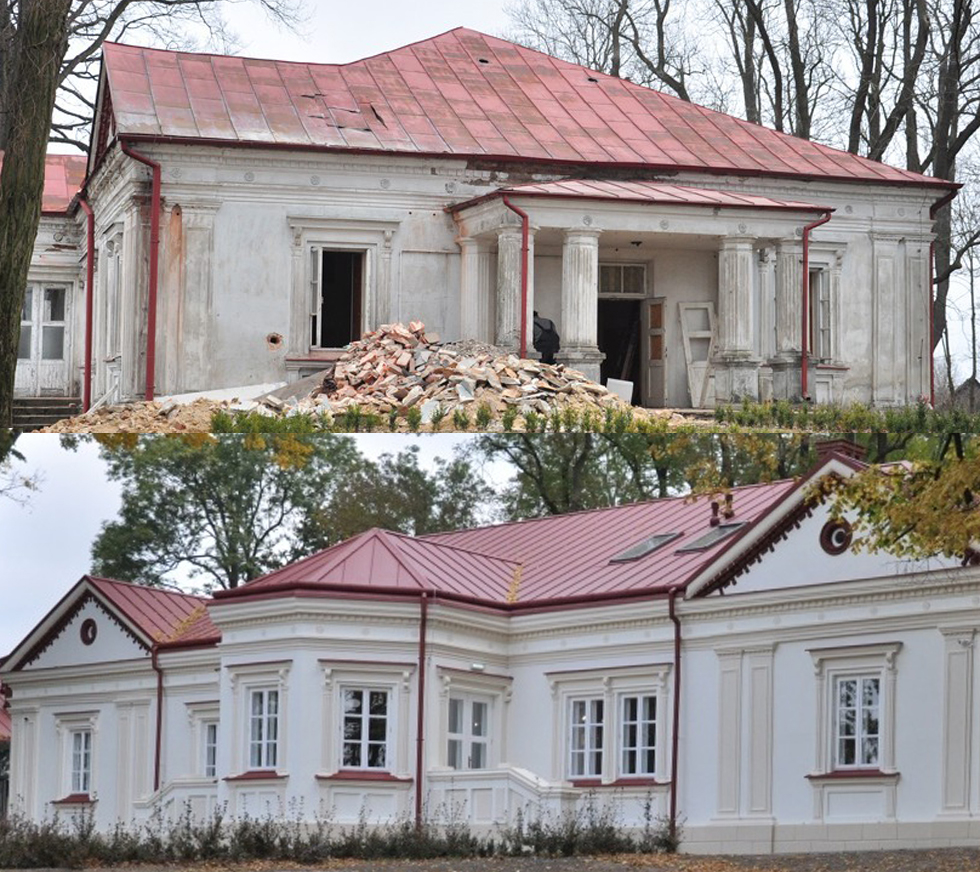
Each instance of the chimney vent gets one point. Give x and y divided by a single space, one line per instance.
715 520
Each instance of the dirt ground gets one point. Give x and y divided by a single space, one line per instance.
938 860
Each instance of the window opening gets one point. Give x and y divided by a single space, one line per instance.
26 326
639 724
264 729
337 279
210 749
858 731
365 744
586 737
820 314
468 733
81 761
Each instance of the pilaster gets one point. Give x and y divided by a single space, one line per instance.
957 721
736 370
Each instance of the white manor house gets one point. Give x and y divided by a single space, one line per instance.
238 221
731 661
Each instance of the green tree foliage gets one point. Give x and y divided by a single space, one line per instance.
396 493
915 508
221 509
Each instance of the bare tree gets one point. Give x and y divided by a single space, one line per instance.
47 45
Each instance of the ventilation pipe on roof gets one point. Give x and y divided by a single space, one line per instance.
89 299
933 211
525 233
676 720
804 350
155 663
420 724
151 315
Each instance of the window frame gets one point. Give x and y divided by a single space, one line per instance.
263 752
494 689
246 678
640 747
832 665
621 266
613 685
365 742
81 760
68 725
202 715
466 737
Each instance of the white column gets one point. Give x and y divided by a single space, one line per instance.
580 302
789 298
473 290
508 332
735 264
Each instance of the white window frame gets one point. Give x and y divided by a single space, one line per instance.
587 719
201 716
245 679
613 685
364 717
209 741
854 661
639 746
397 680
81 742
824 313
481 686
68 725
264 727
465 738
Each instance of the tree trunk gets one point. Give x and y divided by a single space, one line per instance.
42 42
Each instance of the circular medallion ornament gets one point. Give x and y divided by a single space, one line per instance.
89 631
835 537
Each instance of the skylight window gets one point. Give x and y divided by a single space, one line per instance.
712 537
644 547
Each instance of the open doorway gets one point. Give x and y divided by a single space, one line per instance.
337 309
619 340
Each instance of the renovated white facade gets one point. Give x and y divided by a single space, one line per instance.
827 701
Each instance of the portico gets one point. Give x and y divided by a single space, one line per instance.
693 294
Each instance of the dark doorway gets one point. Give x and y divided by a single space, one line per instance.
338 320
619 340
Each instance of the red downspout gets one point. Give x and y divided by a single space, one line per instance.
933 210
89 301
159 738
420 725
151 316
804 351
675 729
525 241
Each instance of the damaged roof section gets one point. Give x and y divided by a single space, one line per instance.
461 93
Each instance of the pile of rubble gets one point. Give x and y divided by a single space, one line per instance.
144 417
397 367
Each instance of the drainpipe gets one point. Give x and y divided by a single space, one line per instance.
675 729
525 233
89 300
420 725
933 211
159 737
804 351
151 316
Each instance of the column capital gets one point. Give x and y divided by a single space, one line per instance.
585 233
732 241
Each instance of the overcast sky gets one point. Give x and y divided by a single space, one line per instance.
45 545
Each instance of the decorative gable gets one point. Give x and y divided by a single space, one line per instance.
87 633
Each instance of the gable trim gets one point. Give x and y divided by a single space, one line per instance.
55 631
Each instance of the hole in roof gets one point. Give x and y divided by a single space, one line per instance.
644 547
593 79
484 61
712 537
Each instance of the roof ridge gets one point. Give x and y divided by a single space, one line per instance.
422 540
651 500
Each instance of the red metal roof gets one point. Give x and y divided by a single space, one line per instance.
162 615
385 560
460 93
64 175
530 562
646 192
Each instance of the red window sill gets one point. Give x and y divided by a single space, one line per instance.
258 775
619 782
848 774
363 775
75 799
